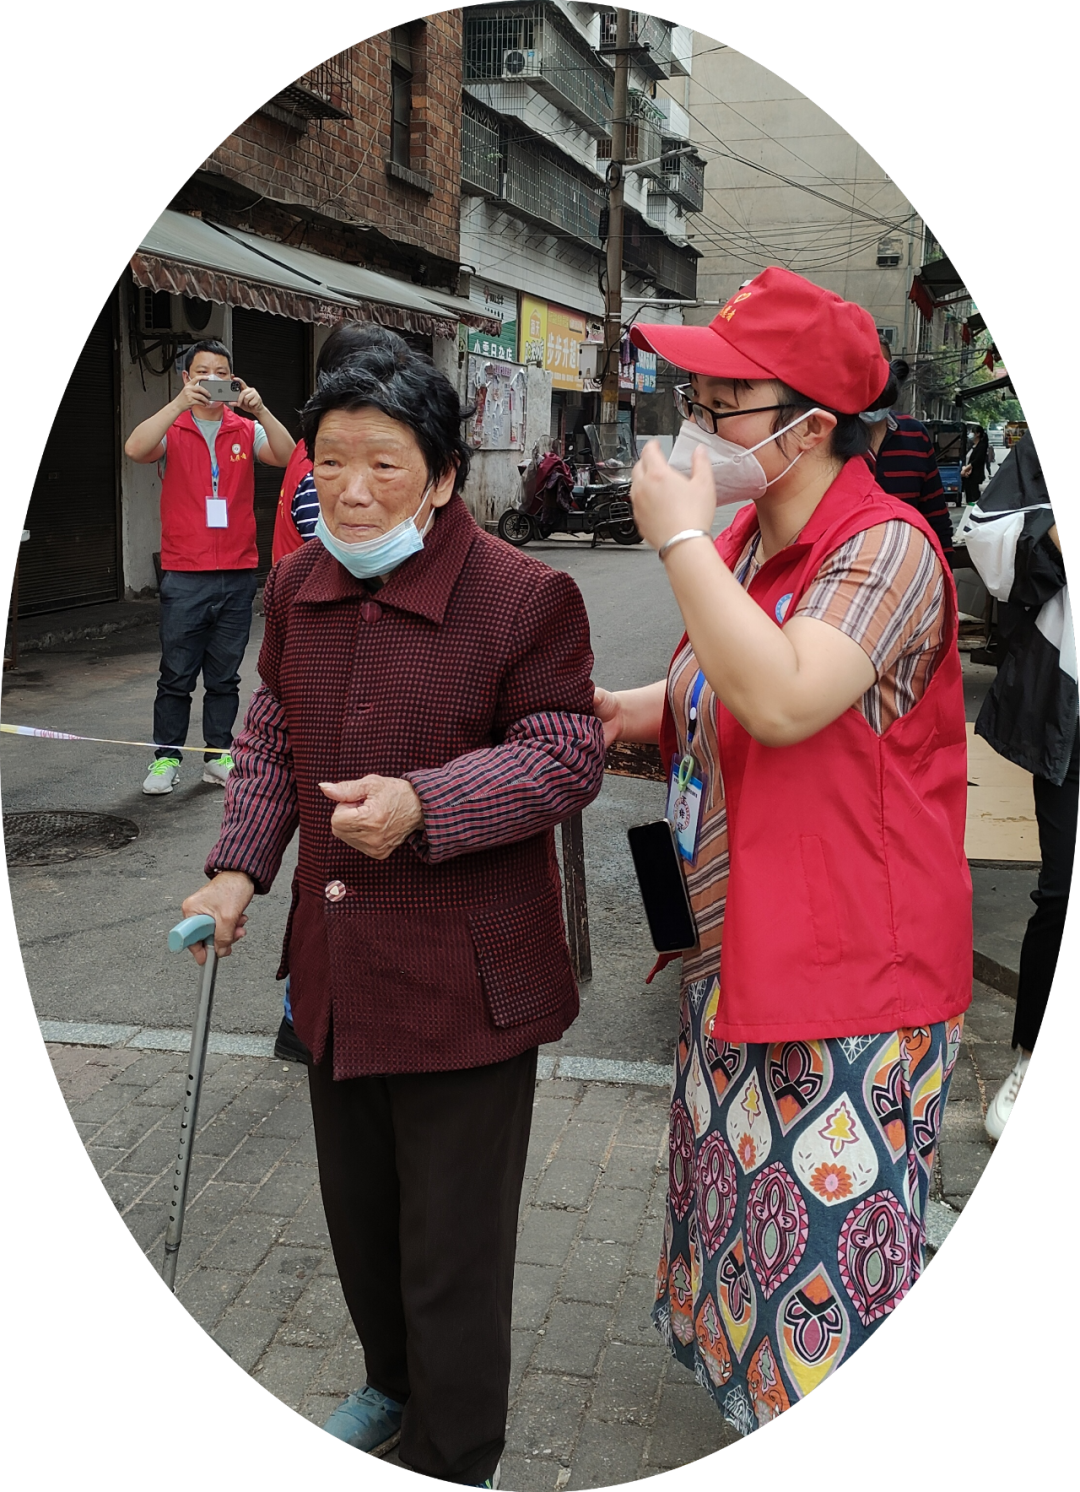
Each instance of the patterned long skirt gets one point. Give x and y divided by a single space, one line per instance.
799 1173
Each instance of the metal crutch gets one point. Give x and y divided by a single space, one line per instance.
192 930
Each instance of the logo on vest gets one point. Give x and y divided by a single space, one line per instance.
237 453
782 606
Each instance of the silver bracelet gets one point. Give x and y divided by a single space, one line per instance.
686 533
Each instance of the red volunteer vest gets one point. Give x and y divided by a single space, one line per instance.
186 542
849 903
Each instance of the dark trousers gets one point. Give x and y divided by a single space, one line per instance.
205 623
1055 813
421 1177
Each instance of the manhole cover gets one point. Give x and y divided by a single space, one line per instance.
52 838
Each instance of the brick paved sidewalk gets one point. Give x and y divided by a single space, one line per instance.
595 1397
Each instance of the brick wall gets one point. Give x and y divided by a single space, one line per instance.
335 175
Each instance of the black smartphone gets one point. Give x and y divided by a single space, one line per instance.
663 889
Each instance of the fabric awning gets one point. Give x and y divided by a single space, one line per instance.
190 256
366 284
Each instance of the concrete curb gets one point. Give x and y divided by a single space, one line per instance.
997 975
229 1044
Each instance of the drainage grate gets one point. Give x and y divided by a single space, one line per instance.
53 838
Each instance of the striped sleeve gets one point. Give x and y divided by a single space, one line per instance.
305 506
549 766
885 589
261 813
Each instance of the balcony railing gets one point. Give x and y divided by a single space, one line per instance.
650 38
532 44
539 186
527 176
644 123
645 249
481 148
323 93
683 177
666 214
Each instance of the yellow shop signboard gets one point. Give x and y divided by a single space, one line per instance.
551 337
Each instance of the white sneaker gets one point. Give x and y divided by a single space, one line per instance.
997 1115
216 769
163 775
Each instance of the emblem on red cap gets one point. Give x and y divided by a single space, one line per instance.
729 310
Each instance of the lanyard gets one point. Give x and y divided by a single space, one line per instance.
211 446
686 766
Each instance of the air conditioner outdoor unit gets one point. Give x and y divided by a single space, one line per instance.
521 62
181 316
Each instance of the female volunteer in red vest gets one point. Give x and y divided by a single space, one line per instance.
818 696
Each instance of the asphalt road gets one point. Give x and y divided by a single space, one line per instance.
93 931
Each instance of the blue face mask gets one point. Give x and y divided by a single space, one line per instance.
376 556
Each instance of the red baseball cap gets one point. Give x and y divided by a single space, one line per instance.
782 326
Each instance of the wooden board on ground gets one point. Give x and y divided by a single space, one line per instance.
1000 807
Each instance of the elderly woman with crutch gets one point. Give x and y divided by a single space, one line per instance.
425 717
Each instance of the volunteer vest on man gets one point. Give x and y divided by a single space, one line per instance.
187 541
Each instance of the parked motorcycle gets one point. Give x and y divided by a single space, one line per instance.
553 503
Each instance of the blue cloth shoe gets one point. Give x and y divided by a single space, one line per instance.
368 1420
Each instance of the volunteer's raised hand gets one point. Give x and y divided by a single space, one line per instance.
665 502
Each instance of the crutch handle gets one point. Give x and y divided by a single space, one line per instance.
192 930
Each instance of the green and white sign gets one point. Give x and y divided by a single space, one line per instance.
500 303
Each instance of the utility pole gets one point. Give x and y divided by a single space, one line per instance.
609 388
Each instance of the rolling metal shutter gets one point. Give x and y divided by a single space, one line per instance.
272 354
72 557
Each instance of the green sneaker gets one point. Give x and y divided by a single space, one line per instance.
492 1481
216 769
163 775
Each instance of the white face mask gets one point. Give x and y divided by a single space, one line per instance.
379 556
737 473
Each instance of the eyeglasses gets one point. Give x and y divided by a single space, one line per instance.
706 418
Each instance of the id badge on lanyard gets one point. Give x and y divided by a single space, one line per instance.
686 786
217 508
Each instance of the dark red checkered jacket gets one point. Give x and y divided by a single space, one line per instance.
469 673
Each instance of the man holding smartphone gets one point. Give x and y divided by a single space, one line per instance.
206 451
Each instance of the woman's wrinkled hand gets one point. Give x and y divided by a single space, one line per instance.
374 814
225 898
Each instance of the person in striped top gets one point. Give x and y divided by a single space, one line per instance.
902 458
